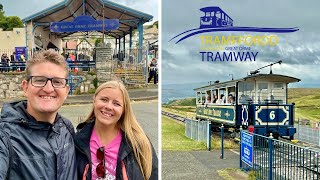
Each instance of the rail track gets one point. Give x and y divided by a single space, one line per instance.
173 116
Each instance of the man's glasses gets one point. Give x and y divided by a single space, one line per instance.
101 168
41 81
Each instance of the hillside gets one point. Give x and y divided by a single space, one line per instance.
307 101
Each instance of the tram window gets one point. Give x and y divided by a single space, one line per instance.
218 14
278 85
208 100
203 97
199 97
207 14
246 92
278 93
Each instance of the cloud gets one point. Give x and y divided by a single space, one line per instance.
22 9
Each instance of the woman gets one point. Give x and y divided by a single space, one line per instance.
111 143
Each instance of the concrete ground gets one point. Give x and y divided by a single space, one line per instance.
201 165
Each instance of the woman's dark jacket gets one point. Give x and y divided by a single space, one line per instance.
125 154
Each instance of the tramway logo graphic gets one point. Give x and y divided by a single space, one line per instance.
234 47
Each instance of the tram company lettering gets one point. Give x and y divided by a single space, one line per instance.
229 47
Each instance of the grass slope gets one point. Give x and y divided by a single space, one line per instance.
307 102
173 137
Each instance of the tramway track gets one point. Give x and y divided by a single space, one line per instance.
173 116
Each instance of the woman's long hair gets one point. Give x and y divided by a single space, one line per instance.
128 123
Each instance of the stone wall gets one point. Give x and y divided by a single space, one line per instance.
104 64
10 86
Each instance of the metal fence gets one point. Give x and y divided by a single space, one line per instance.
199 131
274 159
308 132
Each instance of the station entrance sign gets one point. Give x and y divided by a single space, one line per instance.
247 148
84 23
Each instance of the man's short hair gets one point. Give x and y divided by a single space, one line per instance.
46 56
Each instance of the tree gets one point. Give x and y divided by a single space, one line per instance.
11 22
1 12
156 24
97 42
7 23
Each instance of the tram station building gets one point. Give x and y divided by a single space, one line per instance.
39 34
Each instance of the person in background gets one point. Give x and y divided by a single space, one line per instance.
5 62
13 60
36 142
153 71
231 99
112 144
22 59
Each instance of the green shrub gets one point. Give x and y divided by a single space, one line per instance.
95 83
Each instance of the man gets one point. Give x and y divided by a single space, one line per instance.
35 141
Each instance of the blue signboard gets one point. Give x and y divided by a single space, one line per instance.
222 113
84 23
246 148
272 115
21 51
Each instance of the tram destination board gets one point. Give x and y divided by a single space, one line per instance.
246 148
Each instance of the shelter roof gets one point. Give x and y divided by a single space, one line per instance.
67 10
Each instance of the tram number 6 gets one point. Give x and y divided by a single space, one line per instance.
272 115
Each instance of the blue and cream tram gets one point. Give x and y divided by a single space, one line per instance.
259 101
214 17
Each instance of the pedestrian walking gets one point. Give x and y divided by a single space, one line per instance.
153 68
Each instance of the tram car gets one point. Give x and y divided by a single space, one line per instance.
258 101
214 17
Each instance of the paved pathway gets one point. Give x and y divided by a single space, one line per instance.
193 165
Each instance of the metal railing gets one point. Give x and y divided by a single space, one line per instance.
274 159
12 66
82 65
199 131
308 132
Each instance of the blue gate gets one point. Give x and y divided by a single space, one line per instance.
74 82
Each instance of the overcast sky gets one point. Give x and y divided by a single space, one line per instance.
299 51
25 8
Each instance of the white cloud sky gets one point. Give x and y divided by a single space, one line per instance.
299 51
25 8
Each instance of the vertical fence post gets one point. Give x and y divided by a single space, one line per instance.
209 135
240 147
70 84
222 139
198 133
298 129
318 128
270 145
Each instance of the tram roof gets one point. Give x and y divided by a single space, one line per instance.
213 8
67 10
259 77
